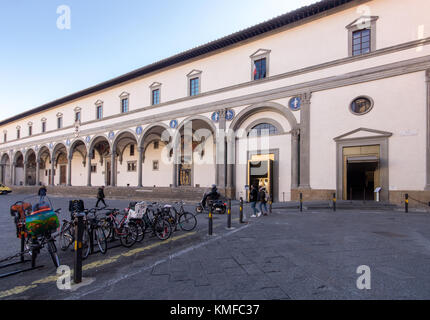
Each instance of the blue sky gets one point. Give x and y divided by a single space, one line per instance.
40 63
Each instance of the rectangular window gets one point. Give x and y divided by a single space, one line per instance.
132 150
156 145
93 168
124 105
260 69
77 116
155 165
43 127
93 156
5 137
18 134
360 42
30 130
46 173
131 166
99 112
59 122
155 96
194 86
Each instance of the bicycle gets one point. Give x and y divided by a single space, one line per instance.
127 232
92 227
155 221
185 220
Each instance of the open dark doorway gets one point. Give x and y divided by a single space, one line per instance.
361 180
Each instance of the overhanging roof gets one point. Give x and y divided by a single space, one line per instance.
249 33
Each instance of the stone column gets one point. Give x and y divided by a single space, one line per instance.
427 187
89 156
220 151
305 113
69 170
25 173
113 168
295 158
52 182
2 174
37 172
175 164
231 162
12 174
139 166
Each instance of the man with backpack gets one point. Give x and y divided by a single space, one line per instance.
101 196
42 193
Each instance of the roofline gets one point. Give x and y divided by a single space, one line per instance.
227 41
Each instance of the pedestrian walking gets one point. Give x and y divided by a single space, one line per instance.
42 193
253 197
262 197
101 196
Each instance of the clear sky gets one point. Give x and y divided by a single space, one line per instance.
40 63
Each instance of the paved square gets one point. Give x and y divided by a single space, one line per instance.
287 255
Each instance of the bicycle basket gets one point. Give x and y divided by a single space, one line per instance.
42 222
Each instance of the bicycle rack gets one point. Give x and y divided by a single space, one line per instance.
22 261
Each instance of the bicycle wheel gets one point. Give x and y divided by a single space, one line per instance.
187 221
53 252
66 235
163 229
129 235
107 228
86 248
141 230
101 239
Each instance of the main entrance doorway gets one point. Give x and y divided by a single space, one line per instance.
260 172
361 172
63 174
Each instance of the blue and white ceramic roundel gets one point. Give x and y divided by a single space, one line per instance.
88 139
295 103
229 115
174 124
215 116
111 135
139 130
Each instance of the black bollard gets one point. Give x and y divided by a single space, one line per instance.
79 232
301 202
334 201
406 203
229 214
241 210
210 222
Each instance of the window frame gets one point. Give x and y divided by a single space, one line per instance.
30 130
18 133
157 167
99 105
154 87
43 129
125 96
364 22
133 164
193 75
4 136
259 55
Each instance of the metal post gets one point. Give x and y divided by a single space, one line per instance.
334 201
229 214
406 203
241 210
91 240
22 245
79 232
301 202
210 222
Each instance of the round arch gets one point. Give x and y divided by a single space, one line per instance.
264 106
